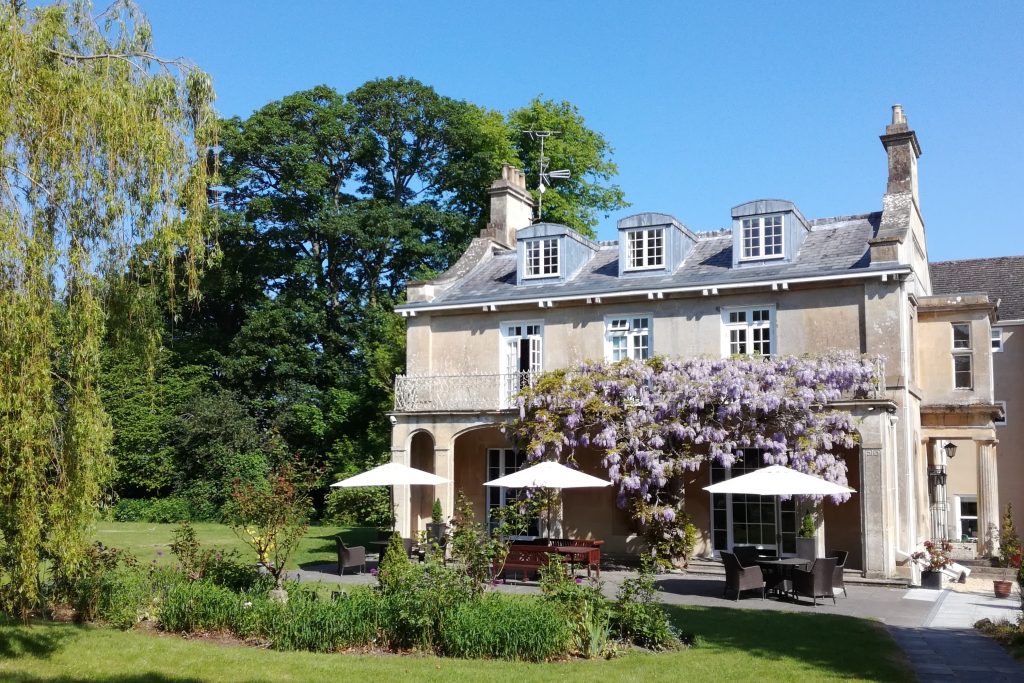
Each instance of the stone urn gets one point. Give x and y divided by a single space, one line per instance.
1002 588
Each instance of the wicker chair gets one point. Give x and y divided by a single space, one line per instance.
350 557
739 578
746 554
817 582
837 578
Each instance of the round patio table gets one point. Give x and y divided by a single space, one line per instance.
778 571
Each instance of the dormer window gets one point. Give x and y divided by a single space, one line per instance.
542 257
646 249
762 237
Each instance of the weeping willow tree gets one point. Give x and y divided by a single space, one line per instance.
103 172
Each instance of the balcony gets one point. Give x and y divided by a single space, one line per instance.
444 393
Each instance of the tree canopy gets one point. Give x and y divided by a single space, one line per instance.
103 163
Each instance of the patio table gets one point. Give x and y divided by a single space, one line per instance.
778 571
582 554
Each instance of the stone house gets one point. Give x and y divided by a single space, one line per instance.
527 297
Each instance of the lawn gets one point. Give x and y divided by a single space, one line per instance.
735 645
152 541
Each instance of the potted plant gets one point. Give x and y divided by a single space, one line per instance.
935 557
436 529
806 543
1010 550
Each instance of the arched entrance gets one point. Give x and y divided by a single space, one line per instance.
843 521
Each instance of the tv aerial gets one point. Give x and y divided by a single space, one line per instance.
544 176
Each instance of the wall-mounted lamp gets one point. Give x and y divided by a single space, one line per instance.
950 449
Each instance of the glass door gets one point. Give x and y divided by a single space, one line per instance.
748 519
502 461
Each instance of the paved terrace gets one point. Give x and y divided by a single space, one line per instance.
934 628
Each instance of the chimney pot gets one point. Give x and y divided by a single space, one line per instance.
897 114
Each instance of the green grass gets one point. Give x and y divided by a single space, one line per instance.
735 645
152 541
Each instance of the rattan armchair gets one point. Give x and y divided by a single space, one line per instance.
817 582
350 557
739 578
837 577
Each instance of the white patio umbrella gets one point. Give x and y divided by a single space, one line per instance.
391 474
776 480
548 475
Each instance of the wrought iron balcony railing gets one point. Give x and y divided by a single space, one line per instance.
459 392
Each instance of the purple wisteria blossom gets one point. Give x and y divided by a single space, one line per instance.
651 421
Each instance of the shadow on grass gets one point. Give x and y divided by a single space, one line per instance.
151 677
27 641
851 647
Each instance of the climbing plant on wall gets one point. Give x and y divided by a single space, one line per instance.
654 420
103 171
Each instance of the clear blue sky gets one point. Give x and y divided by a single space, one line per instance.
706 106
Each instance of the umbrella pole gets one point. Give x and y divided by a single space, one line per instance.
391 502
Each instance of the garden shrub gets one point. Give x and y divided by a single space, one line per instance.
366 506
198 606
158 510
638 616
415 600
223 568
499 626
585 609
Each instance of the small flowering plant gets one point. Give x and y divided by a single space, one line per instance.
935 555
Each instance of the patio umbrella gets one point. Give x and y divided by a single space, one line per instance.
391 474
548 475
776 480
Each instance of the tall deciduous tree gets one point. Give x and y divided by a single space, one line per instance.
580 200
98 156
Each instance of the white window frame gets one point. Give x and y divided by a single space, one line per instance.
962 352
756 226
749 327
631 332
957 500
537 264
500 492
997 340
1006 415
514 331
647 235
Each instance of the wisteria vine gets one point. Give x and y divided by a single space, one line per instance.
656 419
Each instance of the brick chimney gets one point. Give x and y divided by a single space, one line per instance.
901 145
511 207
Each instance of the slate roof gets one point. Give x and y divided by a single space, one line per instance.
832 247
1001 277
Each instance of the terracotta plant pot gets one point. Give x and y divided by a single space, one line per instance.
1002 588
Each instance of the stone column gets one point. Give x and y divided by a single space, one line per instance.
444 466
402 496
988 498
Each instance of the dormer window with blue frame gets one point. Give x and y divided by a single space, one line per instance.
542 258
762 237
645 249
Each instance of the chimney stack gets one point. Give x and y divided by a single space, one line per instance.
511 207
901 145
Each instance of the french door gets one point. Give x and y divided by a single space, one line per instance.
500 462
524 347
741 519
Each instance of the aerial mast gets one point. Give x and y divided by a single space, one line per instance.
544 177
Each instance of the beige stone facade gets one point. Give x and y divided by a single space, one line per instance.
480 330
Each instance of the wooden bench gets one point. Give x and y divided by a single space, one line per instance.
527 559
